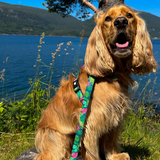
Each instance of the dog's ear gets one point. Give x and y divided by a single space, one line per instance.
142 60
98 61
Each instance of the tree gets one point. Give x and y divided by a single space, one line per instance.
65 7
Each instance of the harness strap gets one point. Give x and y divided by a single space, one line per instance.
77 90
85 103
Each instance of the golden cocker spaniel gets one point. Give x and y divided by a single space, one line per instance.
118 46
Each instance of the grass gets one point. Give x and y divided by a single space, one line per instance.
141 137
12 145
18 119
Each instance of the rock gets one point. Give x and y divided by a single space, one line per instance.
31 153
28 155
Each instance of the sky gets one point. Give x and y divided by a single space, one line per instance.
152 7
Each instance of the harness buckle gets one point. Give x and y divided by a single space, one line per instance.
76 86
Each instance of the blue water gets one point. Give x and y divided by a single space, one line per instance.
22 52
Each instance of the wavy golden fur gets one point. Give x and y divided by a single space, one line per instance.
118 45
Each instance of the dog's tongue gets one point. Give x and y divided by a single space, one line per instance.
121 46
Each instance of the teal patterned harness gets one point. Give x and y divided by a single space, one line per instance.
85 101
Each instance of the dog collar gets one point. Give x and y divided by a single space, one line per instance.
113 76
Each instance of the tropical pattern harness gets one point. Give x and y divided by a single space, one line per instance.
85 102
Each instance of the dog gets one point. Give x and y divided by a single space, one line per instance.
118 46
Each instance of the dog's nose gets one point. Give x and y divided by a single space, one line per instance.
121 22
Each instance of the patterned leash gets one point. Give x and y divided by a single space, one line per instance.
85 101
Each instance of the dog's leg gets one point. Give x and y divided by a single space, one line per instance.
90 145
53 145
88 152
109 144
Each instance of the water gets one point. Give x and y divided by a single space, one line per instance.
22 52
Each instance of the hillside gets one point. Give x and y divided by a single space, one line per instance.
18 19
153 24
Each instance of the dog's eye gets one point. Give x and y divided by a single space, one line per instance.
108 18
129 15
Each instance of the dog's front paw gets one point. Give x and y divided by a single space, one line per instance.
121 156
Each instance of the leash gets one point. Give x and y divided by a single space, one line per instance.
85 102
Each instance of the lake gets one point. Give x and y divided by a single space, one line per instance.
22 52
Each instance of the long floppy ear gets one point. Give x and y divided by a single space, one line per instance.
142 60
98 61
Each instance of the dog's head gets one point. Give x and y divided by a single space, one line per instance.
119 34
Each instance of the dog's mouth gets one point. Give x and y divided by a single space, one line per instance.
122 45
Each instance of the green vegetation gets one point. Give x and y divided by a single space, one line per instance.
12 145
141 135
23 20
22 116
18 119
